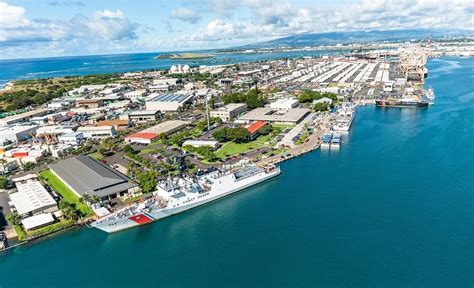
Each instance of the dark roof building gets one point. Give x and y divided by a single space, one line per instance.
85 175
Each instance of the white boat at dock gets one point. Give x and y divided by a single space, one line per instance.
345 116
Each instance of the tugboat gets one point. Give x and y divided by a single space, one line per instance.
430 94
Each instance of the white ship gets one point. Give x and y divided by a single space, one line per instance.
178 195
345 117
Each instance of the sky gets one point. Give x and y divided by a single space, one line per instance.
41 28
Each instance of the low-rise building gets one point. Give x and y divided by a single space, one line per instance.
72 138
23 117
151 134
201 143
90 103
267 114
170 102
118 124
84 175
32 198
143 116
136 95
229 112
285 104
97 132
17 133
254 128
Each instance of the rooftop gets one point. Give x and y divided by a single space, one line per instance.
171 97
167 126
31 196
272 115
254 127
86 175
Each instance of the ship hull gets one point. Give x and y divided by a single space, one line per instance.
149 217
401 104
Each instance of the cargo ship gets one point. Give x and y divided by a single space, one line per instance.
177 195
402 102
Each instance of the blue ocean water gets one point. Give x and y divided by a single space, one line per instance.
393 208
19 69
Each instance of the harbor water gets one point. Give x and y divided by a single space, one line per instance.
392 208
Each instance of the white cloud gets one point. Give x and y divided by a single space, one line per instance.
186 15
12 16
103 31
271 19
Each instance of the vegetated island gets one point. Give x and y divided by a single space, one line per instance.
184 56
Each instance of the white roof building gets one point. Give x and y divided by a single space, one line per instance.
32 198
201 143
37 221
284 104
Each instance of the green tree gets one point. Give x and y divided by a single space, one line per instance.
221 134
321 106
14 218
265 130
147 181
28 166
128 149
3 182
238 135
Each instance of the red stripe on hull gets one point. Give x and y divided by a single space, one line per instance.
141 219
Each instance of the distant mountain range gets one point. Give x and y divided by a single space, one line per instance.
332 38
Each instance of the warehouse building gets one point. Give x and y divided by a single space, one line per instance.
84 175
143 116
169 102
32 199
97 132
17 133
23 117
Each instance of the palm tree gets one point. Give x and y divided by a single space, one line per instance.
95 199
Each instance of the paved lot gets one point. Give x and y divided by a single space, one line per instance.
4 210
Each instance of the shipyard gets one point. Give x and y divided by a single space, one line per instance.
132 148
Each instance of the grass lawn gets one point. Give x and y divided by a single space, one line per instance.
147 150
96 155
65 192
232 148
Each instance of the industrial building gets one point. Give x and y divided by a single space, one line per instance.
16 133
143 116
169 102
289 117
97 132
32 198
84 175
285 104
23 117
229 112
